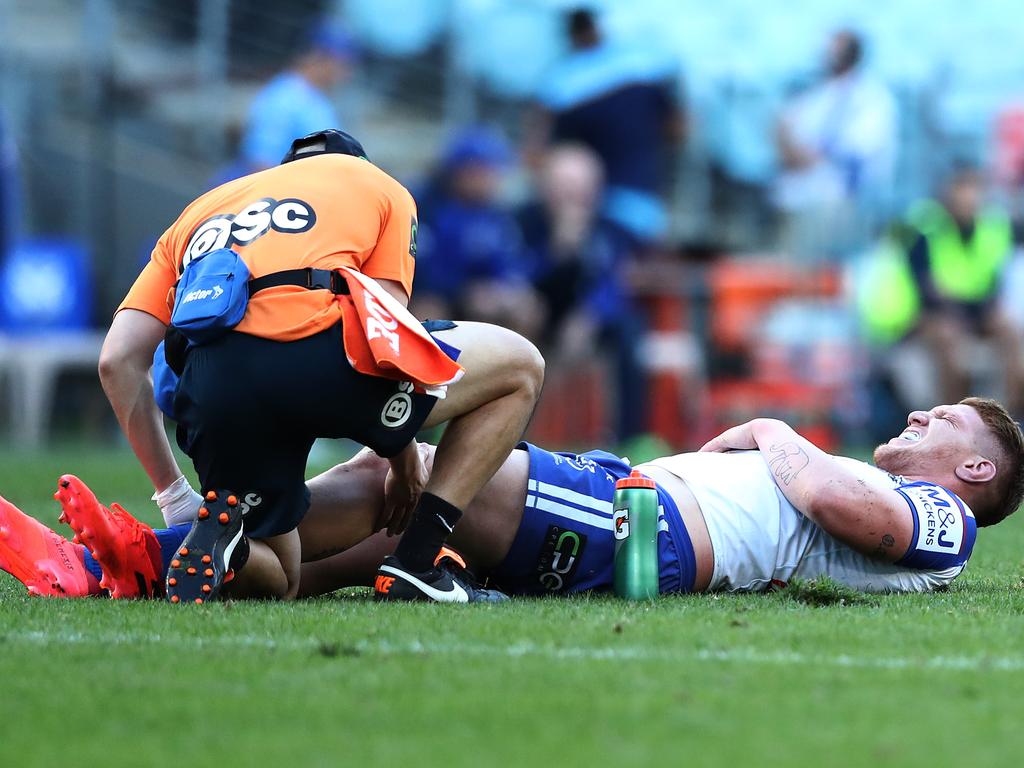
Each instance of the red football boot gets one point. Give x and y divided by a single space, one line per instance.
126 549
44 561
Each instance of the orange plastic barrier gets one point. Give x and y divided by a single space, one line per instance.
804 407
742 290
667 372
574 408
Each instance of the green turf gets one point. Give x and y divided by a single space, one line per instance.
806 677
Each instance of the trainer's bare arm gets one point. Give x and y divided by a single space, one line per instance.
871 520
396 289
125 361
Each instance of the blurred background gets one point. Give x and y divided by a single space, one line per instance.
701 212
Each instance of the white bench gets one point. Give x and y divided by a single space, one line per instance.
31 364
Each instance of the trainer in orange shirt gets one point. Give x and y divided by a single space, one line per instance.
250 403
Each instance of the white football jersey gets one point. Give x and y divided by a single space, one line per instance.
760 539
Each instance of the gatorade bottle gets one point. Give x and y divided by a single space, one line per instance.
636 537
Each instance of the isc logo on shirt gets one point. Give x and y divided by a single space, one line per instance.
940 524
291 216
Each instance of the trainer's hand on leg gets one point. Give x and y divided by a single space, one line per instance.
405 482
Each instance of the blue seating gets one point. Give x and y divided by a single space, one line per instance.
45 285
45 309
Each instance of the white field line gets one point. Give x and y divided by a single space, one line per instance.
524 650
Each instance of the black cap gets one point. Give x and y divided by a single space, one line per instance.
335 142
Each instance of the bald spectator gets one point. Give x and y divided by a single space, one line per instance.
577 258
575 251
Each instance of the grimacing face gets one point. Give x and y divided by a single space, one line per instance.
935 442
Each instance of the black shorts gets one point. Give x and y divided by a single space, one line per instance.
249 410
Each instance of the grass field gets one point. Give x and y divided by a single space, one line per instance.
796 678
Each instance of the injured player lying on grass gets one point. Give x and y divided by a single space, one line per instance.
755 507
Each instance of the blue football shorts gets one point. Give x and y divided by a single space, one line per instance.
565 542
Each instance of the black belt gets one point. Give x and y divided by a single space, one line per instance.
176 345
312 279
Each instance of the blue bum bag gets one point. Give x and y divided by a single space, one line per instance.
210 299
212 296
165 382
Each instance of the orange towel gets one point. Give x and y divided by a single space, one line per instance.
382 338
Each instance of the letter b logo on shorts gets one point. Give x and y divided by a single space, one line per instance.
398 408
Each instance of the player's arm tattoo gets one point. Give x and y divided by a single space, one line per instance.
884 545
787 460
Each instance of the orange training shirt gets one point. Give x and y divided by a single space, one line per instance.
325 212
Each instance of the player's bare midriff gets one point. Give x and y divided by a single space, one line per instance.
693 519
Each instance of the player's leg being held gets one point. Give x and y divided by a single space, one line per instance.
488 411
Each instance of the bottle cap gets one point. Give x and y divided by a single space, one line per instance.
636 479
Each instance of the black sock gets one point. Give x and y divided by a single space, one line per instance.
433 521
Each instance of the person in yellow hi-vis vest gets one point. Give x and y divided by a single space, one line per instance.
942 284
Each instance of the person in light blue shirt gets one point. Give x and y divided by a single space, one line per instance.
297 101
621 101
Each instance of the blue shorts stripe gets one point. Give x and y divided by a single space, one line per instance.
602 506
569 513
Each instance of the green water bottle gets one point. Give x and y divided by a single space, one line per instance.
635 512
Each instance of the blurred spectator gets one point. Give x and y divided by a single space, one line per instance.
577 259
837 145
470 260
957 254
958 261
619 101
575 252
297 101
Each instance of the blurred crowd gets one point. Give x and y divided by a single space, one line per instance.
560 228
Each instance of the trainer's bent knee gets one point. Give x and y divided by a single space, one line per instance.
528 368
